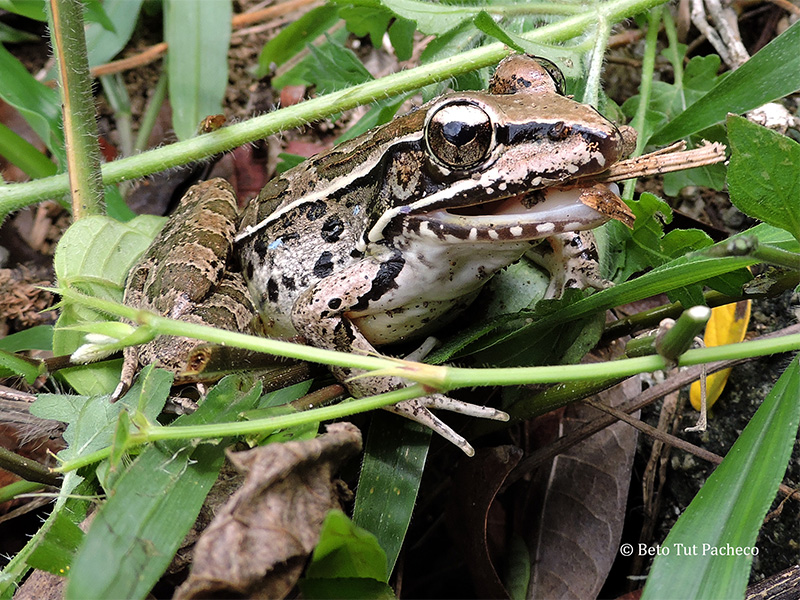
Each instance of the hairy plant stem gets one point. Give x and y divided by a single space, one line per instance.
80 127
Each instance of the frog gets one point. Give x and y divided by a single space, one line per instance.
390 236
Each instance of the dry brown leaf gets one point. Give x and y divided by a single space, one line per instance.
258 544
584 495
475 486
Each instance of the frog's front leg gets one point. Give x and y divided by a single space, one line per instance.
320 315
571 261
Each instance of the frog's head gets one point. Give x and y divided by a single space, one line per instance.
494 160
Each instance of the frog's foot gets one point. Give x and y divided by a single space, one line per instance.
571 259
418 410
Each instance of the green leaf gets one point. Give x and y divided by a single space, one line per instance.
19 366
104 43
401 35
345 589
772 73
346 550
764 174
335 67
389 480
32 9
37 103
39 337
25 155
294 38
728 511
10 35
58 547
95 255
154 503
432 18
198 34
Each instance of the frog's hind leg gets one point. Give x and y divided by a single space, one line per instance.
417 410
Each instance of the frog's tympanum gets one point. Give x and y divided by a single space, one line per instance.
391 235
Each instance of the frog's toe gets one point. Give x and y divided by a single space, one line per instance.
441 402
418 410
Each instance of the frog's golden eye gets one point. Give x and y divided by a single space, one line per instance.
460 135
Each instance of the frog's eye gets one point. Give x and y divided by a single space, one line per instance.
460 135
555 73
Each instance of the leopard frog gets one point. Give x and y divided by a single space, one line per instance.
392 234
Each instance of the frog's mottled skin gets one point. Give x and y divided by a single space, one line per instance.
390 235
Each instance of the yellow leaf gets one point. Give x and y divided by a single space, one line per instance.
727 325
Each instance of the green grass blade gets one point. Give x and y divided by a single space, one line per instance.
772 73
24 154
389 481
728 511
198 34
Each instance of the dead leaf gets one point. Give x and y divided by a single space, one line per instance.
583 498
259 542
475 486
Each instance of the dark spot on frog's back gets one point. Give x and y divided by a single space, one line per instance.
332 229
324 265
288 282
272 290
316 210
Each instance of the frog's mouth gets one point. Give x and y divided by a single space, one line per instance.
525 217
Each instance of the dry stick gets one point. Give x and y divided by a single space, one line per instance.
676 382
669 159
155 51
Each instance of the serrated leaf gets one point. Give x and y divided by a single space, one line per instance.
729 509
772 73
294 38
346 550
764 176
335 67
198 34
727 325
432 19
138 530
19 366
389 480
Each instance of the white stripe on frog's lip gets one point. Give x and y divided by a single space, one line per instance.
560 211
325 191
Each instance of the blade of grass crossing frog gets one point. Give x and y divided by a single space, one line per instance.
138 530
394 459
723 520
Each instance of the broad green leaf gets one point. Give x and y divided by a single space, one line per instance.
335 67
32 9
138 530
58 547
198 34
95 255
772 73
102 43
92 420
37 103
401 35
346 550
389 480
728 511
39 337
764 175
432 18
295 37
